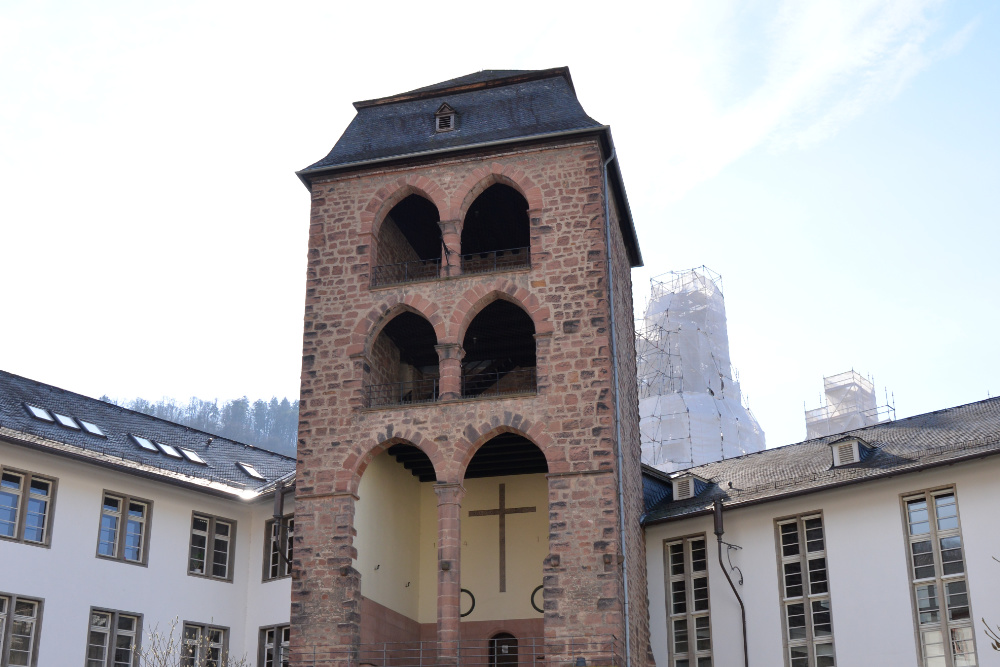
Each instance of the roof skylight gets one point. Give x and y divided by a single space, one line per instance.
68 422
250 470
192 456
39 413
93 429
169 450
145 443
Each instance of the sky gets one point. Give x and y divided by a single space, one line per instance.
837 163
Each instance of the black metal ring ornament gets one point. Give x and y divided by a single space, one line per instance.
472 597
533 605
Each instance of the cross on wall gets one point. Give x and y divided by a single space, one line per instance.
502 511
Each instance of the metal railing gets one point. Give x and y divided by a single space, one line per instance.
496 260
406 272
595 651
399 393
499 383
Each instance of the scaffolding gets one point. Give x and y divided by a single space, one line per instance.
691 408
850 403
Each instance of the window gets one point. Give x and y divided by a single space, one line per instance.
113 639
203 645
25 506
942 610
689 626
278 549
805 592
274 646
124 528
19 624
211 547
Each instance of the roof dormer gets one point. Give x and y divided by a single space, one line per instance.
688 486
444 118
849 450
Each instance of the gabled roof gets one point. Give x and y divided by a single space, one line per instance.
118 450
934 439
492 107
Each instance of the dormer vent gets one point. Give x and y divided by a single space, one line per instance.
849 450
845 453
688 486
444 119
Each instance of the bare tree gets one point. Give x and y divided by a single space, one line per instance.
187 648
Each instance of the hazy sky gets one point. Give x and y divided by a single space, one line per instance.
836 163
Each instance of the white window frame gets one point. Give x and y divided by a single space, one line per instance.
212 540
124 519
276 567
693 615
798 561
935 622
8 617
25 498
198 645
275 636
112 633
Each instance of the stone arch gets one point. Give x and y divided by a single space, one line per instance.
510 422
482 295
483 177
369 326
358 463
396 191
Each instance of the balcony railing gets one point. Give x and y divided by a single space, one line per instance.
406 272
499 383
594 651
399 393
496 260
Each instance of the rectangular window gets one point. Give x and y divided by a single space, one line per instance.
124 528
942 611
203 645
278 548
19 628
805 592
113 639
689 625
211 552
25 506
274 646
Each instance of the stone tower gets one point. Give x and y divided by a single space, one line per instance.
468 487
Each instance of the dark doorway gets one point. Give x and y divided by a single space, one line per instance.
503 650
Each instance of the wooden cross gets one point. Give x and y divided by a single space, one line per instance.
502 512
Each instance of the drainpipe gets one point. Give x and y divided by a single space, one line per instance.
618 422
743 610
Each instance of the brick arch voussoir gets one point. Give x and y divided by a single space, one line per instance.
392 193
384 442
475 183
369 326
476 298
475 437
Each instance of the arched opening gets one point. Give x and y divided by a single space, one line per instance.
408 244
395 518
499 352
502 650
403 364
505 539
496 232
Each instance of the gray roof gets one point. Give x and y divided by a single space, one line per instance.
492 106
118 450
934 439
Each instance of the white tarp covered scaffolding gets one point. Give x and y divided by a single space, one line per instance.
850 403
690 408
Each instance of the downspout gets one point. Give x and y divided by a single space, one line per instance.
618 422
743 610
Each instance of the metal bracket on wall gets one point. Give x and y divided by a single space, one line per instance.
729 549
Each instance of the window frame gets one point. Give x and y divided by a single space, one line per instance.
262 645
126 500
113 635
286 521
24 495
203 629
6 626
940 580
806 598
210 546
690 615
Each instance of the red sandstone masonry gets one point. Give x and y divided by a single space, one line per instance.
571 419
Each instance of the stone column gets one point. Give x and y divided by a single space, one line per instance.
451 240
450 370
449 572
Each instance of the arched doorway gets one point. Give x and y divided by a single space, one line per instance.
496 232
502 650
403 364
499 352
408 244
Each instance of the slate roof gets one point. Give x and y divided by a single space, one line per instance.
492 106
907 445
118 450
